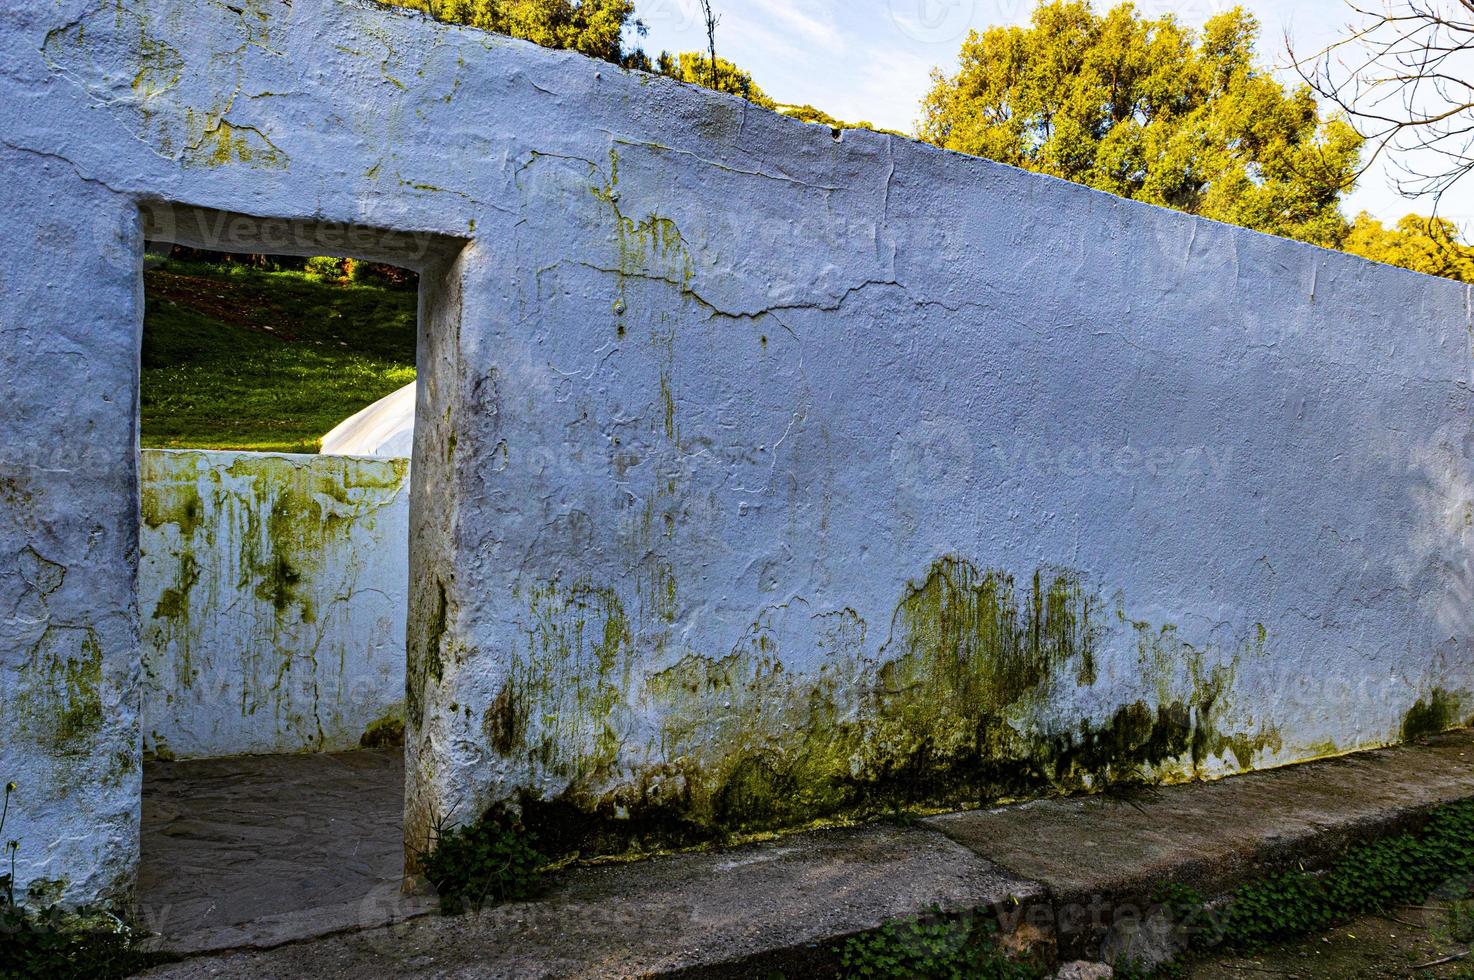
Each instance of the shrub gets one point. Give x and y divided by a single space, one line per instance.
492 860
328 267
51 944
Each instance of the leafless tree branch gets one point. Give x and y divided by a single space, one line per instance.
1403 76
712 20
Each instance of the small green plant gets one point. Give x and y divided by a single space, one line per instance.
935 948
7 880
51 943
1183 903
492 860
1372 877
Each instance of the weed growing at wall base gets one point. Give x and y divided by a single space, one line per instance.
492 860
1372 877
1407 869
937 947
50 943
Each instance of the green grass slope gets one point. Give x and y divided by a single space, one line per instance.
239 358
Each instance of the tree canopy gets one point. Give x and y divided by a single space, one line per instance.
592 27
695 67
1150 110
1419 243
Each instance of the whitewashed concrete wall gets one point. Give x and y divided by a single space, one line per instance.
273 592
762 475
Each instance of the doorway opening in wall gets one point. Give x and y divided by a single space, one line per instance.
276 401
269 353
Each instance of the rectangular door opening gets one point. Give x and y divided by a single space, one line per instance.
277 403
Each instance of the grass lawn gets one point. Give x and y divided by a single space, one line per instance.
238 358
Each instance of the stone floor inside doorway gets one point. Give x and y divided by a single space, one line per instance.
257 850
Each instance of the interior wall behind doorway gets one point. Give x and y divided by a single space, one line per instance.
272 589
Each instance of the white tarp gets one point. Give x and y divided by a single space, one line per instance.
385 428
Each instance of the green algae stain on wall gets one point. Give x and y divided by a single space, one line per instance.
294 512
170 491
252 560
958 706
171 495
214 142
59 701
648 247
1431 715
424 656
969 642
561 698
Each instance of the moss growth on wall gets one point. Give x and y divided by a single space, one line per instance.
1437 713
955 710
384 733
286 511
424 660
263 539
170 491
969 643
59 700
573 674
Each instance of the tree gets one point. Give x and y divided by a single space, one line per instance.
592 27
1403 77
1419 243
695 67
811 114
1152 111
596 28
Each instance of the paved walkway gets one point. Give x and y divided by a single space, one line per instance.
1064 876
236 851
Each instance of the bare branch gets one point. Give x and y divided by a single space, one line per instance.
1403 76
712 20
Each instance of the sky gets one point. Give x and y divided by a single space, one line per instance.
872 59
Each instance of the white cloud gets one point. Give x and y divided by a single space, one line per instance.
789 19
